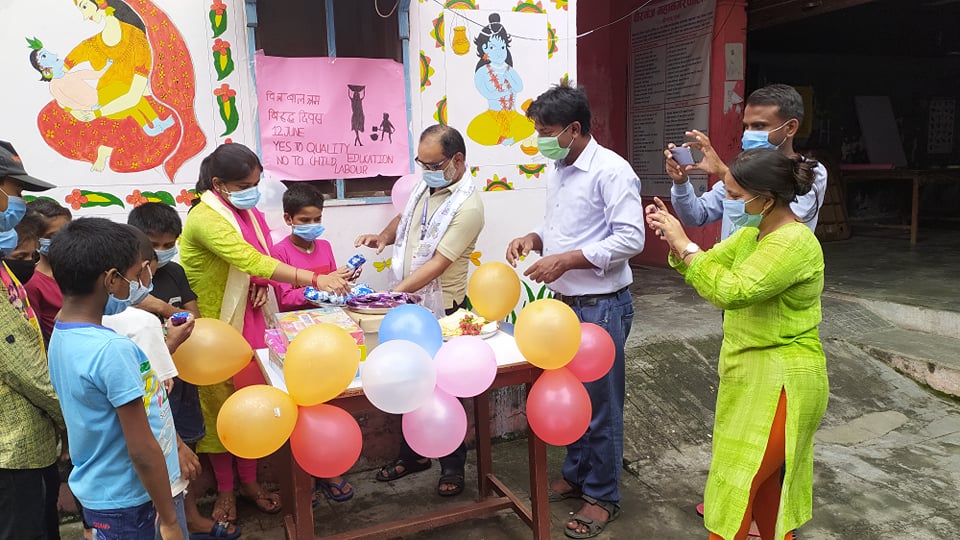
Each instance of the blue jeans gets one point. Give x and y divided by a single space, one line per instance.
134 523
594 462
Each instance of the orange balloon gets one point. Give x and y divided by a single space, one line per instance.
320 363
213 353
547 333
255 421
494 290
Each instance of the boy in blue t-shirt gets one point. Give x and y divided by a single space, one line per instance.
121 433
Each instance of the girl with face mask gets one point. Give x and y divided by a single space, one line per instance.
225 252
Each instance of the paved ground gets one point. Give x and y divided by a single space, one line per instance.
888 454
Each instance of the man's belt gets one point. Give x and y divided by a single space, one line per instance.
587 299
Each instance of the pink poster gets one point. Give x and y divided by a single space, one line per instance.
325 118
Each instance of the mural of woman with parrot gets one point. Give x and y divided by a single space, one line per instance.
144 116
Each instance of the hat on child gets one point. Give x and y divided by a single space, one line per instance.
11 165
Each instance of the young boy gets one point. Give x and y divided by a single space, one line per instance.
162 225
171 293
22 260
44 293
119 424
303 211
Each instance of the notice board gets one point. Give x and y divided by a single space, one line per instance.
669 89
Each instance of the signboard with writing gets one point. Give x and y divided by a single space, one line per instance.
669 84
326 118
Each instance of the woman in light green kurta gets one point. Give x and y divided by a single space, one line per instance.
225 253
768 277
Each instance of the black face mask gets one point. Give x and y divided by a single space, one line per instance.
22 269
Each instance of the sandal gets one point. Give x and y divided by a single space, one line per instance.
594 527
450 477
388 473
219 531
344 489
574 493
225 508
265 501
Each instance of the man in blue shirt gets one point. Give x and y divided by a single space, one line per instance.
771 117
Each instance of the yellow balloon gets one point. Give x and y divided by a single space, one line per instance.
494 290
548 333
213 353
256 420
320 363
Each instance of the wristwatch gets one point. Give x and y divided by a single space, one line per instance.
689 250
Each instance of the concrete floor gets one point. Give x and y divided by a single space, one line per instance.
888 453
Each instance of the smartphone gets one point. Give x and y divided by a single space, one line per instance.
682 155
179 318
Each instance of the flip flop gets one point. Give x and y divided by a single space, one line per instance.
327 487
263 501
219 531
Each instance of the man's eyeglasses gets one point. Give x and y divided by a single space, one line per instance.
438 166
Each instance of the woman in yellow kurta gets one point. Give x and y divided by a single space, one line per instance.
224 251
773 392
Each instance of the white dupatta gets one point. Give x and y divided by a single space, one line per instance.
238 283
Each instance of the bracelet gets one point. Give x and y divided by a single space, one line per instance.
296 278
314 280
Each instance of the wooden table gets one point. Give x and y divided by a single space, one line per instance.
916 177
296 485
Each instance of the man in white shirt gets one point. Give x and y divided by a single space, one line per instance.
591 230
771 117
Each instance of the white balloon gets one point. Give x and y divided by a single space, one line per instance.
271 204
398 376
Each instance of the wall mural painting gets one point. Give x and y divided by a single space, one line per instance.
122 97
506 72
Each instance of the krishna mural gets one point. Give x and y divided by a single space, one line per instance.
123 98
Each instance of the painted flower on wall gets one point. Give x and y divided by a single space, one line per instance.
498 184
227 103
529 7
186 197
532 170
560 4
441 113
222 58
218 17
437 32
425 71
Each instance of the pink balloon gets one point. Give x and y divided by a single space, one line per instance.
596 354
558 407
438 427
402 189
326 440
466 366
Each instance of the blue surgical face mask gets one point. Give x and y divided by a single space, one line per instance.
8 241
138 292
44 248
753 139
16 208
165 255
736 212
310 231
437 179
245 199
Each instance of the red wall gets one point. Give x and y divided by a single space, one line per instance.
602 68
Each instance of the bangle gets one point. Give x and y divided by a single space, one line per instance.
314 280
296 278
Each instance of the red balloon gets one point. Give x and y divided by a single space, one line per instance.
558 407
326 441
596 354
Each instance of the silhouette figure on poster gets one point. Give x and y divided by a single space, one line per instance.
499 83
356 93
386 129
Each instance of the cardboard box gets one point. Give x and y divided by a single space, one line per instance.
291 323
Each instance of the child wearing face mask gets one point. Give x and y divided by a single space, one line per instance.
303 248
303 212
123 443
44 293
